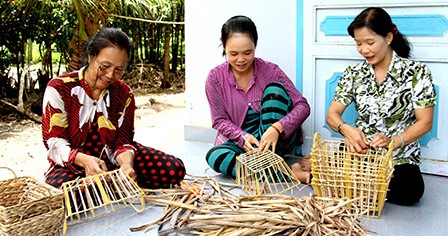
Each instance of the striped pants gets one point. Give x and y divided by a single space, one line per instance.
275 104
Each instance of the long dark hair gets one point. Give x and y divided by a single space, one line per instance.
379 21
238 24
106 37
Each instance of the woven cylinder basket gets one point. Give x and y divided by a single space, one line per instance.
364 178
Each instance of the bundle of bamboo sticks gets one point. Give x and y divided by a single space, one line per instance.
206 207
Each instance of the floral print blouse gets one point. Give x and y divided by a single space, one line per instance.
388 107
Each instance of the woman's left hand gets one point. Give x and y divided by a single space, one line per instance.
129 170
269 139
126 162
380 140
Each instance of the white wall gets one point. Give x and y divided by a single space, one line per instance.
276 26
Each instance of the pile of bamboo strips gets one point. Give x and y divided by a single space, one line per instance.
207 207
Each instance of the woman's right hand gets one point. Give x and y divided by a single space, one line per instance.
92 165
355 139
250 141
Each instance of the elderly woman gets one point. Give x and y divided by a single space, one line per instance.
88 121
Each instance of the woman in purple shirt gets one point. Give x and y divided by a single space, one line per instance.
253 103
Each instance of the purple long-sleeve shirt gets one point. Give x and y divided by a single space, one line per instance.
229 103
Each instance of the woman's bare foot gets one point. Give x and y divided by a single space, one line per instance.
306 163
302 175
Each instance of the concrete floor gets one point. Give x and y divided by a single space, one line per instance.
427 218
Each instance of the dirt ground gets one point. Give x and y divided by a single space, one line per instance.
158 121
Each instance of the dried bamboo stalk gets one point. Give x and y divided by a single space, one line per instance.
217 211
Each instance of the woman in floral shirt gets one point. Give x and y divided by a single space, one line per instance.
88 121
394 97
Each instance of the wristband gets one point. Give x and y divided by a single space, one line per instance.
276 129
402 140
340 126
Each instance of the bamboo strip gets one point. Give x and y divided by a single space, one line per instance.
217 211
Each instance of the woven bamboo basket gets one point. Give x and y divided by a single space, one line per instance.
364 178
28 203
96 195
264 173
46 223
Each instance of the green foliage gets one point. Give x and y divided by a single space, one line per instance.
52 25
148 37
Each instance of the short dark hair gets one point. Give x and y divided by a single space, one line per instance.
238 24
106 37
380 22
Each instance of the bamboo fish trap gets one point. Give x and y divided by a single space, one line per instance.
264 173
96 195
338 173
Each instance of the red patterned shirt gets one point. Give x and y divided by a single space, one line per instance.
69 110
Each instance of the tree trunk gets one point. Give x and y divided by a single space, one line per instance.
166 59
175 49
79 39
76 47
28 113
20 108
22 87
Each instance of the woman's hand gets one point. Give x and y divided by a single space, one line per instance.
126 162
249 142
269 139
92 165
129 170
380 140
355 139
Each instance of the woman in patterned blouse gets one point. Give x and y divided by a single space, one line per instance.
394 97
253 103
88 121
